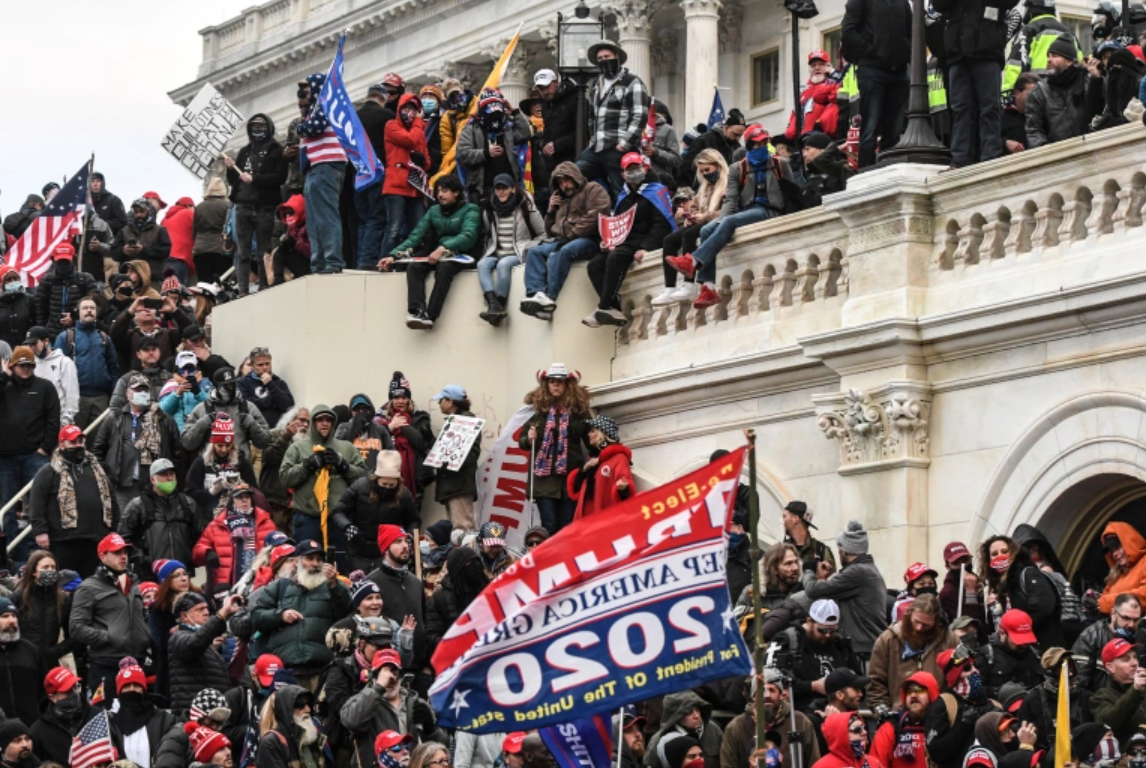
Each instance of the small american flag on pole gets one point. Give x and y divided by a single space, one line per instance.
61 218
93 744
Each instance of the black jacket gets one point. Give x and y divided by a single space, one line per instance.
947 742
162 527
1031 590
713 139
974 29
560 117
268 168
16 223
193 663
374 117
449 600
175 749
29 415
273 399
110 209
22 673
51 737
157 727
114 439
1061 106
999 665
403 594
110 623
452 484
1040 705
877 33
56 296
41 621
17 315
650 226
739 569
279 748
45 504
1015 126
356 508
812 662
156 246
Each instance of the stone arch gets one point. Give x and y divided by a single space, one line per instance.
1068 472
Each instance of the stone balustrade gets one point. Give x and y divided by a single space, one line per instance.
1059 216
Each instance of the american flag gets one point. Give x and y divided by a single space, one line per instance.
61 218
93 744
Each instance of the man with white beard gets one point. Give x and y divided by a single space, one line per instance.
292 427
295 739
22 669
296 614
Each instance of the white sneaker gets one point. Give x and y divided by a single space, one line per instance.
591 320
544 301
664 298
686 292
610 317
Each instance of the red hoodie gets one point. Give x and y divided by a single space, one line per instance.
400 141
612 465
840 746
902 744
295 208
179 223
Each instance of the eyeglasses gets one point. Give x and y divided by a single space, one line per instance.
398 748
856 729
259 352
443 761
1124 617
533 543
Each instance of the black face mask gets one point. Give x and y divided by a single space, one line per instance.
610 68
713 177
70 709
63 268
73 455
926 591
387 494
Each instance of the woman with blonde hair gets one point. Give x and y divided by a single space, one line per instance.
430 755
712 181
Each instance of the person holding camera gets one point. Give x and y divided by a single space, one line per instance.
248 426
193 658
146 319
1122 703
319 468
220 469
184 390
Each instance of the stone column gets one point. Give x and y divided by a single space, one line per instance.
702 49
517 81
634 34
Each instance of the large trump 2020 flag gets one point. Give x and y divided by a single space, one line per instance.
621 606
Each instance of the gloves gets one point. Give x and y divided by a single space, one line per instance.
972 713
424 716
352 533
212 559
341 465
418 159
288 241
314 462
218 485
331 458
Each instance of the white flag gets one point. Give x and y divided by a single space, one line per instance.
503 484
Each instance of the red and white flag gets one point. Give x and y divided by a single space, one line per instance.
62 217
649 135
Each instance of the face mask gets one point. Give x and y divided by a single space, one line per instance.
1125 634
13 286
291 220
258 134
537 123
971 640
429 106
63 268
47 577
713 177
387 494
166 487
407 117
734 540
975 681
1137 761
926 591
857 749
1001 563
43 354
635 178
758 156
74 455
140 398
697 763
70 708
226 392
610 68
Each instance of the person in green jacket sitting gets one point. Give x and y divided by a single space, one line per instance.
441 243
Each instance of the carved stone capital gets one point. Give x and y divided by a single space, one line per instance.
633 18
469 74
731 25
700 8
881 429
548 32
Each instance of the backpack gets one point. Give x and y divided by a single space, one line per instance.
797 197
70 342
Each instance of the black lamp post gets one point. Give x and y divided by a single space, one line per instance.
798 9
574 36
918 144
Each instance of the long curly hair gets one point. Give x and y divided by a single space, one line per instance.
988 576
575 401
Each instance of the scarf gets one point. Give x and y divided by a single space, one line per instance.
121 580
321 497
242 527
760 163
66 497
149 442
402 446
556 437
505 209
363 666
135 711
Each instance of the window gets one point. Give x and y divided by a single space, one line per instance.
765 77
831 44
1080 26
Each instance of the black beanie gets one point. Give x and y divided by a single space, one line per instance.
10 730
440 532
1064 46
399 386
817 139
676 749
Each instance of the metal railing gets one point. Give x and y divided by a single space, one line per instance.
27 488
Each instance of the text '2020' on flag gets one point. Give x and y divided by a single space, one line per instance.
617 608
336 104
62 217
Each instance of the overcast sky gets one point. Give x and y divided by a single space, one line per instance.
93 77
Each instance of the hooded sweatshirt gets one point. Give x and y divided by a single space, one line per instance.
307 485
840 753
576 216
710 735
268 168
902 743
295 208
61 371
180 225
1134 580
402 142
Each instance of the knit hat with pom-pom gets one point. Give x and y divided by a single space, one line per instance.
853 540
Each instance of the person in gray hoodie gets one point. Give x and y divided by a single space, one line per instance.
858 589
687 714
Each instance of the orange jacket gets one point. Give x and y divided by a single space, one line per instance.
1134 580
400 143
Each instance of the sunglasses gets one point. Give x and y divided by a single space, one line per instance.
914 689
533 543
827 631
856 729
398 748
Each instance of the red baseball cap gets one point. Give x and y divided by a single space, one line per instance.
71 432
821 55
59 680
1017 625
388 739
512 742
265 668
632 158
917 571
113 542
1116 649
63 251
155 196
386 656
954 551
756 133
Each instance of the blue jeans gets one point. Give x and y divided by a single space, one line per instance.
402 215
556 513
15 473
596 166
504 266
977 133
371 224
718 233
547 265
321 189
883 108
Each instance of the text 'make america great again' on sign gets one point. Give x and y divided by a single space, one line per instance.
201 132
619 607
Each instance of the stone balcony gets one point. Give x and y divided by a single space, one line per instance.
906 242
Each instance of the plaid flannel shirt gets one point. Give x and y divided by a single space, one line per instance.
619 115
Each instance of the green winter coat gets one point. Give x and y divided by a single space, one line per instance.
554 486
295 475
302 644
458 231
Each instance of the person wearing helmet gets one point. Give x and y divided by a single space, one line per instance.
1041 27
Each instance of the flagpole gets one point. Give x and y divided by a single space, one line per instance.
620 734
84 215
755 557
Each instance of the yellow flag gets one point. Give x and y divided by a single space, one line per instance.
1062 718
449 161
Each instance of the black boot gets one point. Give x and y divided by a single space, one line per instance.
491 315
500 308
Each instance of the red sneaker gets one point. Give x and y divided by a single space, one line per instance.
683 264
706 298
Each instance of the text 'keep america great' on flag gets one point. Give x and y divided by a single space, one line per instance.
619 607
61 218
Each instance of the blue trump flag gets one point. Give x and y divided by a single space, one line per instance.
716 116
613 610
339 110
580 742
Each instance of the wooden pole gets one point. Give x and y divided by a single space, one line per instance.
418 553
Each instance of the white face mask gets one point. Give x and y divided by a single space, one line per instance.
140 398
13 286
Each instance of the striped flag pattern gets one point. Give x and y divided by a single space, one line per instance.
93 743
61 218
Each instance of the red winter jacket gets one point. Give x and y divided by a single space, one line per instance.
179 223
908 747
818 100
296 206
612 466
839 746
217 537
400 142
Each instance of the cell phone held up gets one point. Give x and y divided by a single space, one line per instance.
153 304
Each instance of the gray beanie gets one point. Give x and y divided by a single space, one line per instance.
853 540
